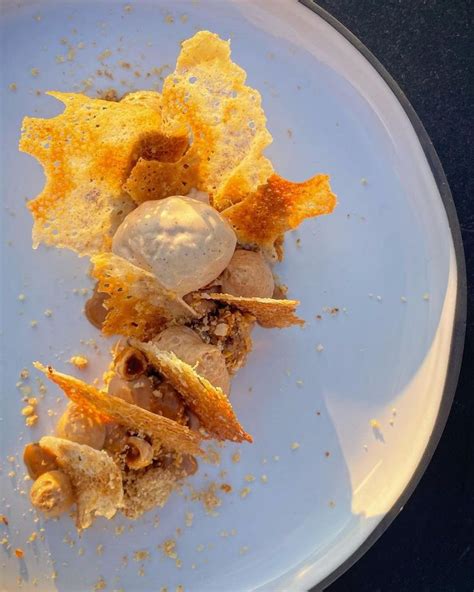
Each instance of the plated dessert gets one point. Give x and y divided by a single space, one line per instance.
171 197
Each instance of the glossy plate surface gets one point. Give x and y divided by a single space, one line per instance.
326 479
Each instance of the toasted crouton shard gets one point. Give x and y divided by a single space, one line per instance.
170 433
269 312
208 402
96 479
277 206
87 153
138 306
147 489
207 93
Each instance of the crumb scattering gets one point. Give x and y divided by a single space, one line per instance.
100 585
295 446
244 492
375 424
80 362
19 553
319 347
264 479
141 555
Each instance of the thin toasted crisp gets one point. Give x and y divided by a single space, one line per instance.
269 312
208 402
145 98
173 435
138 305
87 153
96 479
207 93
277 206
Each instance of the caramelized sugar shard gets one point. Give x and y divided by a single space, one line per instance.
208 402
138 305
207 93
277 206
269 312
173 435
87 153
96 479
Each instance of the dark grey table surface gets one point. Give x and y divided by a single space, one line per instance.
428 47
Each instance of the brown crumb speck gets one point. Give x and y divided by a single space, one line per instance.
80 362
19 553
168 547
244 492
100 584
141 555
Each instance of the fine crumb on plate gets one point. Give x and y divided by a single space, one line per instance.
141 555
79 361
295 446
100 584
168 548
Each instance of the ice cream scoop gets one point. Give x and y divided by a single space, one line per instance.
184 242
248 275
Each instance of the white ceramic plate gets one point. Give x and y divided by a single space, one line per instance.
331 108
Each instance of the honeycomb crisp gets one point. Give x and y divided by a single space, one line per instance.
269 312
138 306
87 153
207 93
278 206
96 479
208 402
175 436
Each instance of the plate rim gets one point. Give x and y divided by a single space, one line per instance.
460 313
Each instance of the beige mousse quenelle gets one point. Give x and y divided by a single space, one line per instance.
184 242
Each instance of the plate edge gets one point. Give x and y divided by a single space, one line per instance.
459 324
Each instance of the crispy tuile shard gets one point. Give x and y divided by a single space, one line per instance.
109 408
207 94
269 312
96 479
208 402
138 306
278 206
87 153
